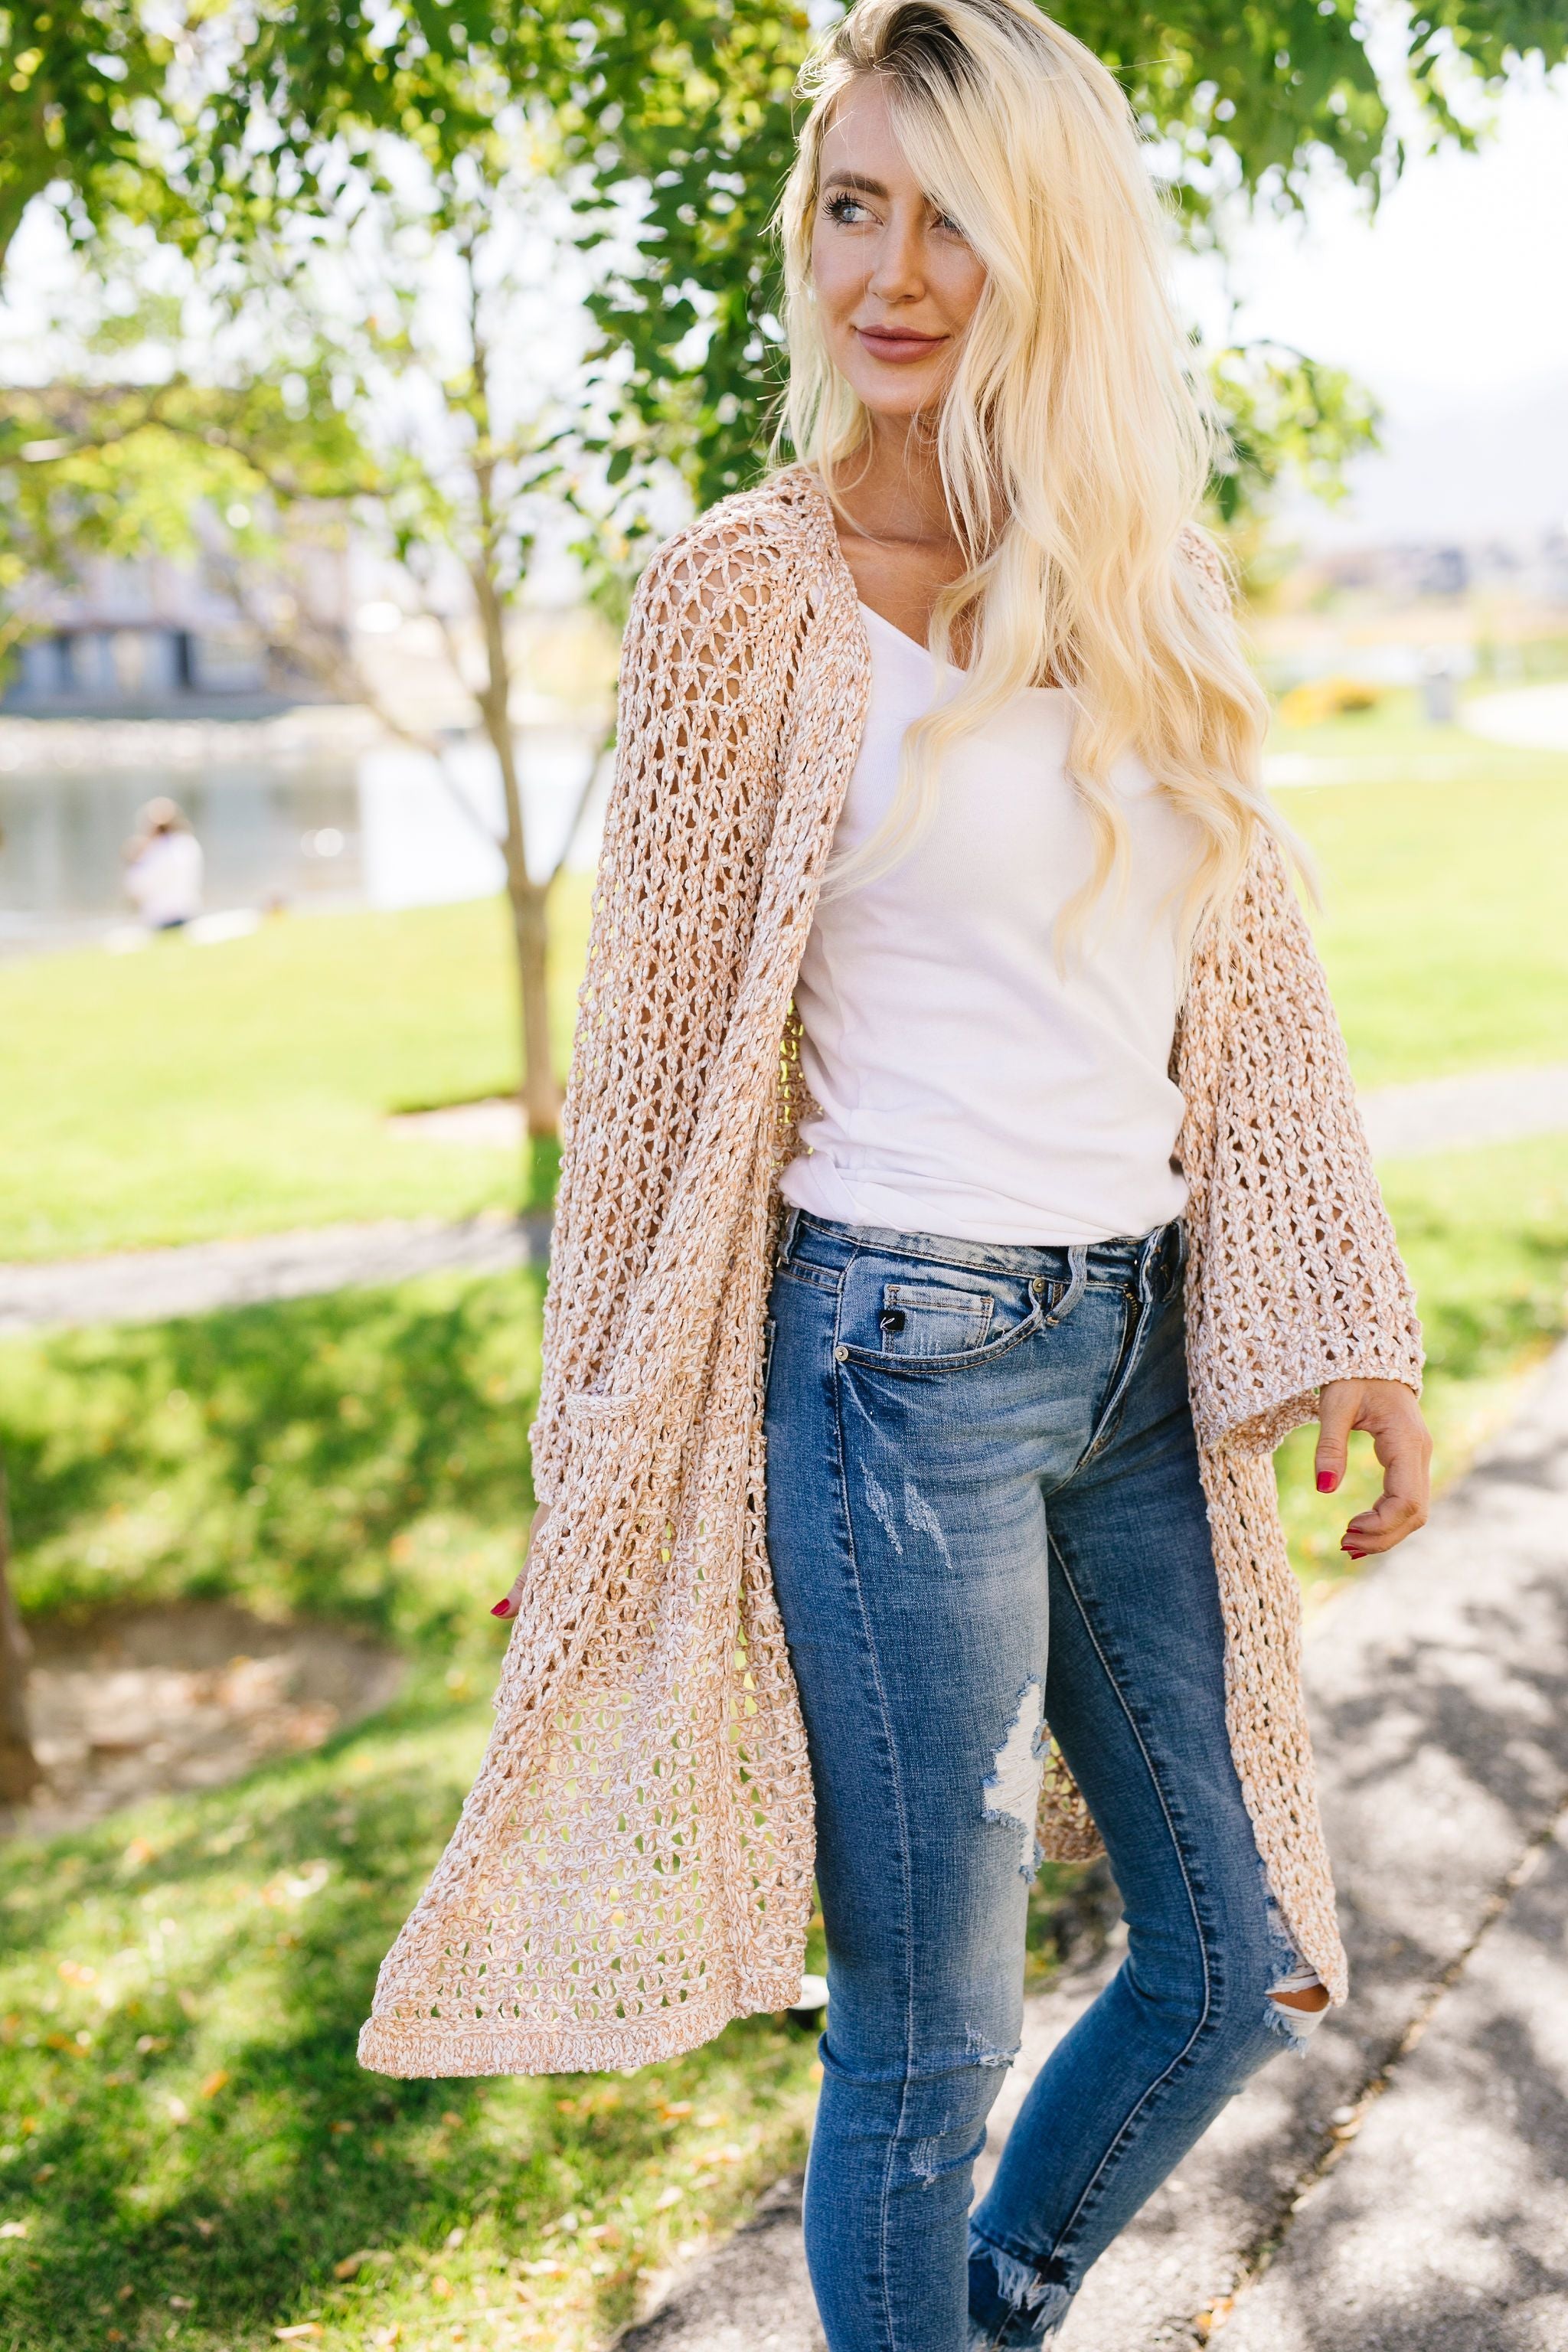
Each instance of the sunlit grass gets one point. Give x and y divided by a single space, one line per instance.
192 2154
190 1092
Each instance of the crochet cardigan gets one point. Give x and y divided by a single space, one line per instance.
633 1867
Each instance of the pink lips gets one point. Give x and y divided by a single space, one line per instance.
890 344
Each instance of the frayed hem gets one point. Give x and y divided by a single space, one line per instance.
1037 2307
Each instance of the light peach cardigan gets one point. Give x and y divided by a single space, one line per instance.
633 1867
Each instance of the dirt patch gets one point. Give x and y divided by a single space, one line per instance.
136 1705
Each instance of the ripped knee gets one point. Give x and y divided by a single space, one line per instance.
1298 1999
1297 2005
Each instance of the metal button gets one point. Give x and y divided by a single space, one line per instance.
1038 1285
841 1355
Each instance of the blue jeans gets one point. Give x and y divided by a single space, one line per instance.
984 1512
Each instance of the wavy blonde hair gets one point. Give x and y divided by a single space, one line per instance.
1073 444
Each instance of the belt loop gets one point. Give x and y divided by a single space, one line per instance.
791 1227
1078 1279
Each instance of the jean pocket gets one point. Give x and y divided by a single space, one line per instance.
922 1318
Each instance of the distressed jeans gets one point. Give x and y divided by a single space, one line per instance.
984 1514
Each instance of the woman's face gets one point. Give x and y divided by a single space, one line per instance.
896 280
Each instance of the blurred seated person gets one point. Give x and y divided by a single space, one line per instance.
164 867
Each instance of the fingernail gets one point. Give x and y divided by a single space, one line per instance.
1327 1481
502 1609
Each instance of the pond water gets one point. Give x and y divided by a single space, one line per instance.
382 829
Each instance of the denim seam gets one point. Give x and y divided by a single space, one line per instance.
1106 1425
1091 2184
981 1263
803 1270
896 2141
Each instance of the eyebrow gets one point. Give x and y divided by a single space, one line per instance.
854 180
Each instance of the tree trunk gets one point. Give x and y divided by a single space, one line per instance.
20 1771
530 928
541 1094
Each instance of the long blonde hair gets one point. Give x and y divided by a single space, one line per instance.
1071 415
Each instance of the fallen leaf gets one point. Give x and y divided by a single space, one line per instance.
302 2334
450 2117
181 2303
342 2127
207 2229
178 2111
352 2264
14 2229
215 2081
441 2288
666 2198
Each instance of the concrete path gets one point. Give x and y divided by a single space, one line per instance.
1405 2188
150 1285
147 1285
1533 717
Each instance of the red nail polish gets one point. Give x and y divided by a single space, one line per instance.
502 1609
1327 1481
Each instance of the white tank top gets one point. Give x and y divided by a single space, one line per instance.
968 1086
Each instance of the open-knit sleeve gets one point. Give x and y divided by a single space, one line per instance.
681 848
1302 1278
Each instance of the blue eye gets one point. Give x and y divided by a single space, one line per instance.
840 207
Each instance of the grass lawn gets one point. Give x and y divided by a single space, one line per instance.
189 1092
188 2152
1444 882
195 1091
181 2115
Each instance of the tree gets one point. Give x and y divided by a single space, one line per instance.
692 106
87 86
380 202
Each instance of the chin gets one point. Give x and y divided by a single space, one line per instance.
893 401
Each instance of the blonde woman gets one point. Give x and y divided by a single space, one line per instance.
962 1193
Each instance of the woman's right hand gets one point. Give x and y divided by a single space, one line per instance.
512 1606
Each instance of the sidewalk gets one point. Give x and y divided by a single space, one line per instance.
1405 2188
147 1286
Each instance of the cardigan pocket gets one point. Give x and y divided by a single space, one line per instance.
593 1408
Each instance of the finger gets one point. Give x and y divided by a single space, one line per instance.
510 1606
1336 1417
1401 1507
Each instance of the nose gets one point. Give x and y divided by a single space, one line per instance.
897 272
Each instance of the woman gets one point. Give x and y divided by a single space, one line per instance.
954 1084
164 867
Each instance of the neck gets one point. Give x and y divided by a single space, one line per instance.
893 489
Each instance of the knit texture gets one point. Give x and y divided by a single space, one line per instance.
632 1865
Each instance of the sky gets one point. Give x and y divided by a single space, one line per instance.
1452 303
